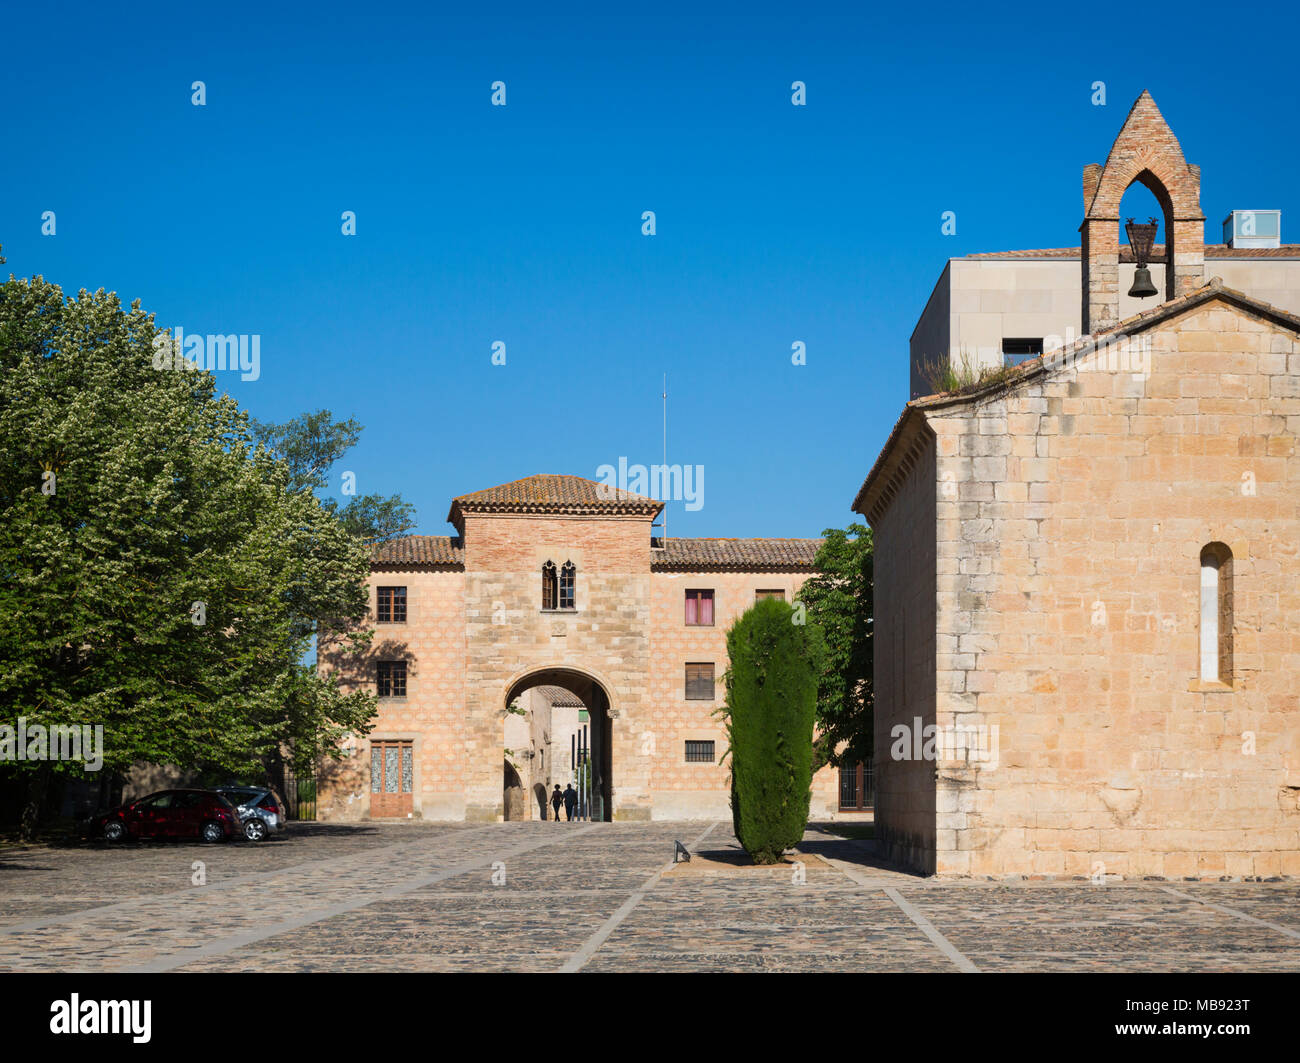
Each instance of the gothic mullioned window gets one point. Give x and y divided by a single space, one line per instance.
558 589
549 589
568 579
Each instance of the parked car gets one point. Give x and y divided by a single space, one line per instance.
170 814
261 811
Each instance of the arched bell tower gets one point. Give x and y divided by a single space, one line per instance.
1146 150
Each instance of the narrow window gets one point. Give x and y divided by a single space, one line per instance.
391 605
549 586
390 679
699 752
1216 614
568 577
779 595
699 608
699 682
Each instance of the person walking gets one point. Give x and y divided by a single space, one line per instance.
570 801
557 799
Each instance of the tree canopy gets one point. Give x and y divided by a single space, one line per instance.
163 573
839 600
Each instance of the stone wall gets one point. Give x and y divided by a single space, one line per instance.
905 660
606 637
1071 517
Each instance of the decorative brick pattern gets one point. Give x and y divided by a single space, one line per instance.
476 636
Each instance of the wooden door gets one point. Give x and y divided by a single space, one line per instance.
392 778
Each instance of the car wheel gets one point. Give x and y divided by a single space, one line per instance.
255 829
114 831
212 832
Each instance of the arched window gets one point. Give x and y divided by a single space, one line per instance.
1216 614
568 578
549 588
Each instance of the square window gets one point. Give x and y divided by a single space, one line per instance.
699 608
699 752
390 679
699 682
390 605
779 595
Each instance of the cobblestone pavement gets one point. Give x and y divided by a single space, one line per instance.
597 897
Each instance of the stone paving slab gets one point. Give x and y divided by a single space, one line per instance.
1113 928
598 897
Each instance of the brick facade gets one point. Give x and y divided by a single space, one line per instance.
476 638
1146 151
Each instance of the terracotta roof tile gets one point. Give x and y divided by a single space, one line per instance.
1157 253
419 550
1051 360
552 493
561 697
752 555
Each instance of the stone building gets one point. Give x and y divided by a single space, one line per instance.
1087 591
553 582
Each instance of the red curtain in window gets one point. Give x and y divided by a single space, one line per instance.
699 608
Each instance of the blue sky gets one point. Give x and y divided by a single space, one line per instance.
522 224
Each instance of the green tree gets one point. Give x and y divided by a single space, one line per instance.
162 576
839 600
310 446
769 712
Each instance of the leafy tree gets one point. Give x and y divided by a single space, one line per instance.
162 576
839 600
769 711
310 445
375 519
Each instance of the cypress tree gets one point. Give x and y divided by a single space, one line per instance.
772 681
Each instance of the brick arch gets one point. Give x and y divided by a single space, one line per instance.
1146 152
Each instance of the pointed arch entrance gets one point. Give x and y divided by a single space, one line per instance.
594 694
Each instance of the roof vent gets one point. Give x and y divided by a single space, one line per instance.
1253 228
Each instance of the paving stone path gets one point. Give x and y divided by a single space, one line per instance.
543 897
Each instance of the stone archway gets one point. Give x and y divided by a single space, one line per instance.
593 692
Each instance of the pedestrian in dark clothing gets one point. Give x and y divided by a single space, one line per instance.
570 801
557 799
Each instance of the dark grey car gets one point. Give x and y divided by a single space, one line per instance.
261 810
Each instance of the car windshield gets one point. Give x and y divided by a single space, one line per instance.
241 794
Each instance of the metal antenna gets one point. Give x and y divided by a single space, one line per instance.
664 475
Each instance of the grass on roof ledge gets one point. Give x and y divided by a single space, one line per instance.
945 377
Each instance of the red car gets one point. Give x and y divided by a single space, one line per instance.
170 814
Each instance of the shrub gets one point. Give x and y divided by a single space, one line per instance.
770 706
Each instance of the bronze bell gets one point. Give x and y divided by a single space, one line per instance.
1142 239
1142 286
